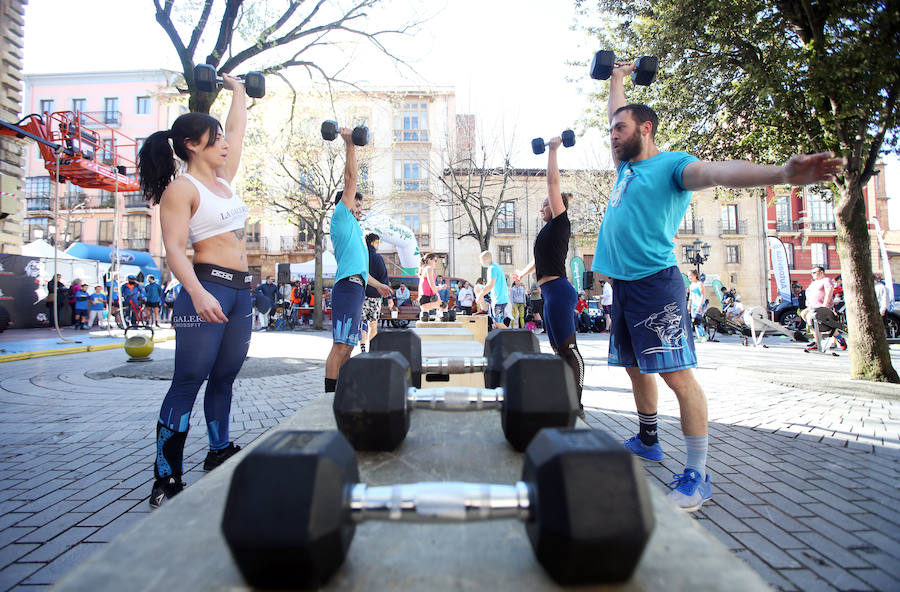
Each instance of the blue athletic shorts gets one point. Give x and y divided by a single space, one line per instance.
650 326
346 310
560 299
498 313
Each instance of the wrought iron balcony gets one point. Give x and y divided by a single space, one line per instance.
137 244
256 242
782 225
110 118
508 225
733 227
135 199
819 226
694 227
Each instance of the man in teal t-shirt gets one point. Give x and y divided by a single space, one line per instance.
496 285
650 331
352 273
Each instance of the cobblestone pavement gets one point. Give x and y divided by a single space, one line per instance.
805 481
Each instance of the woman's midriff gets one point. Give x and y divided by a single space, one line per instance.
226 249
547 278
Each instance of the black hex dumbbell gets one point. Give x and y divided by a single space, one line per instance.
207 80
498 346
604 63
295 500
373 398
331 130
538 144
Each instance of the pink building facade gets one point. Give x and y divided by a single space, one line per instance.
133 103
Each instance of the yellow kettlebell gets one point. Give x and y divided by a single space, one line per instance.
139 347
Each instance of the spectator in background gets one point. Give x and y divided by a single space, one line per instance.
582 319
606 300
132 295
371 308
536 304
296 299
466 298
268 297
517 298
169 297
443 293
98 306
402 295
154 298
881 294
82 304
838 293
74 288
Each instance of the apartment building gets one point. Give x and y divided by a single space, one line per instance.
804 221
408 129
133 103
12 151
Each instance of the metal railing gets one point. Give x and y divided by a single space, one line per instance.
107 117
257 242
136 199
695 227
417 135
424 240
733 227
787 225
817 226
104 201
38 204
508 226
137 244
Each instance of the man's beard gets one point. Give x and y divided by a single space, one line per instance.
631 147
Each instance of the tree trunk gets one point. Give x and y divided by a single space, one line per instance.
869 354
201 102
319 292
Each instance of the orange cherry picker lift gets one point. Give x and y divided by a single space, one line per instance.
81 149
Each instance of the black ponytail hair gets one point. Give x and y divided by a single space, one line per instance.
156 160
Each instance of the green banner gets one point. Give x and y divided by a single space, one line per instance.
577 267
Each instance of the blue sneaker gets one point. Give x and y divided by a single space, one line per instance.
653 452
689 491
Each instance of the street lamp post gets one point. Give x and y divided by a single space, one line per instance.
697 254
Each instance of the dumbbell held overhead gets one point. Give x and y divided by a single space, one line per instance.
331 130
207 80
604 63
568 140
298 533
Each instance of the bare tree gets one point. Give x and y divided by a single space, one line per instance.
474 190
591 189
248 28
297 181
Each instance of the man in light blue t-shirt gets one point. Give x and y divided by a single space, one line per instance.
496 285
650 330
352 273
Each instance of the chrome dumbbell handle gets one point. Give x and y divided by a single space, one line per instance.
454 365
440 502
455 398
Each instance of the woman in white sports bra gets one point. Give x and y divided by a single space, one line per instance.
212 313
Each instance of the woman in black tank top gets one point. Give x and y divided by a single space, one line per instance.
549 264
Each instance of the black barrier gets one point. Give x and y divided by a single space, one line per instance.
22 292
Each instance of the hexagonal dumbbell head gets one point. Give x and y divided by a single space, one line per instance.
405 341
645 70
285 521
370 400
602 65
592 515
499 345
537 145
330 130
360 135
568 138
538 392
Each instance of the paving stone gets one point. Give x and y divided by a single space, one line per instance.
53 529
771 576
62 564
835 575
15 573
806 579
771 554
51 513
11 553
59 545
877 579
838 554
775 534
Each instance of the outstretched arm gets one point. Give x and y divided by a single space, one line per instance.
554 192
350 170
235 126
617 94
802 169
524 271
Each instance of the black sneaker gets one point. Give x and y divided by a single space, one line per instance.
165 489
216 457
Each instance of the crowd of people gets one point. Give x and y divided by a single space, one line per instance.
132 303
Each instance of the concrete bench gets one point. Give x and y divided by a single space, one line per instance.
181 547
